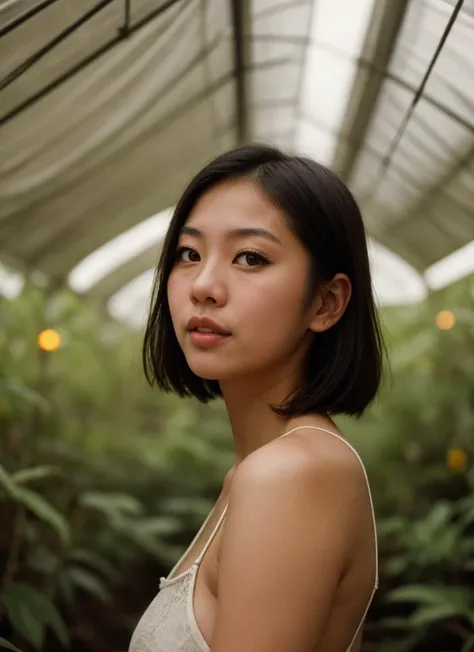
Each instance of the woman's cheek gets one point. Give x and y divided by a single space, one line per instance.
274 302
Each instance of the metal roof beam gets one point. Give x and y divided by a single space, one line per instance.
25 16
123 32
379 45
240 10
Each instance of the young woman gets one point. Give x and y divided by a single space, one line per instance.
263 296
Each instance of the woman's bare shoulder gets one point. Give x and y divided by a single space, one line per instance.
291 518
307 453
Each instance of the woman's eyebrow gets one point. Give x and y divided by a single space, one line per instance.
234 233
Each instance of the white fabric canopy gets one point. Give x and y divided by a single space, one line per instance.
90 165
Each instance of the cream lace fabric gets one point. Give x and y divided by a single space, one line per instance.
168 625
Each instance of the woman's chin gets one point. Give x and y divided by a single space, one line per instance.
210 374
211 365
213 371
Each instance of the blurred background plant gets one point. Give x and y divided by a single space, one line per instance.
103 481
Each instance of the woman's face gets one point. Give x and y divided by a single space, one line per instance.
239 265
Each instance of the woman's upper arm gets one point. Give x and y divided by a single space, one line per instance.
288 529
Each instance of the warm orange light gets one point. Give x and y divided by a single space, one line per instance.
49 340
445 320
456 460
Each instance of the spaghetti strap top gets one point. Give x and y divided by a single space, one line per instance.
169 624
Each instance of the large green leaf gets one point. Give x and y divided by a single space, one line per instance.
7 482
41 607
9 646
112 502
159 526
35 473
432 595
439 515
23 620
36 504
434 613
118 508
45 512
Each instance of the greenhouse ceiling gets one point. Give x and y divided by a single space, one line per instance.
108 108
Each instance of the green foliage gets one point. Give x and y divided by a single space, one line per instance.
34 501
25 476
418 446
31 612
103 481
7 645
102 478
435 602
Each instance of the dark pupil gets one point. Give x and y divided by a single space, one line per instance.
252 259
193 255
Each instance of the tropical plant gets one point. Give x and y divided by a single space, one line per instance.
103 481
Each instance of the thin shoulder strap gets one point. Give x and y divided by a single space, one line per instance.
190 547
211 538
330 432
376 584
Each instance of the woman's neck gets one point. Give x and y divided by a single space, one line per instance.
253 422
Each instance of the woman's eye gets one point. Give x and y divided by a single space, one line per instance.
187 255
252 259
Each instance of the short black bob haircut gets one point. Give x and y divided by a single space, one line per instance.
344 366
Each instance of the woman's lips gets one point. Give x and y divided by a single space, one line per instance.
203 323
207 340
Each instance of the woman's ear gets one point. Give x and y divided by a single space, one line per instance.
330 303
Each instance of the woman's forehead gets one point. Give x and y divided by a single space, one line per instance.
236 204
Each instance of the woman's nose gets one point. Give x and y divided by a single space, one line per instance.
208 288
